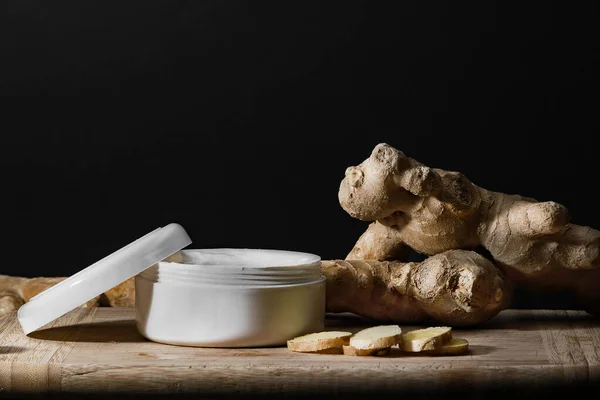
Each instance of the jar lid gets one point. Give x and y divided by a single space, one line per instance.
102 276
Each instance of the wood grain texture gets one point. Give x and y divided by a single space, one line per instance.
100 350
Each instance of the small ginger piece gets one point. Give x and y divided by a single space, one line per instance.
353 351
426 339
9 301
454 347
316 342
377 337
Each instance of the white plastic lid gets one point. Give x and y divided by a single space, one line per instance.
102 276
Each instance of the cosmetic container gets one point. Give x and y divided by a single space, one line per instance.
199 297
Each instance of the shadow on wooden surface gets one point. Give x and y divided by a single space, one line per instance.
95 332
126 331
11 349
480 350
531 320
523 320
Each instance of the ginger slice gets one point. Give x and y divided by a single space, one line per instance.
455 347
319 341
377 337
426 339
353 351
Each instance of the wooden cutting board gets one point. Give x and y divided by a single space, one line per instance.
100 350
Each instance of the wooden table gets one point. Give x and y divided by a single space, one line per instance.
100 350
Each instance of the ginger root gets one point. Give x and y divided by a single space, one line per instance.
433 211
457 287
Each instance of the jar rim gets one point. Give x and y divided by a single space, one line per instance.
229 266
246 286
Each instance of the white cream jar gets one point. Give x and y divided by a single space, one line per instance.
216 298
231 298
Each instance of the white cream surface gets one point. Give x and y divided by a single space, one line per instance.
251 258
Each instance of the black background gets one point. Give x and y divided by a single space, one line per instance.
237 119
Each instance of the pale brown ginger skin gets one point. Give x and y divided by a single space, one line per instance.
457 287
432 211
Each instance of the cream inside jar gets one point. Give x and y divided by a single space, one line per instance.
231 298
